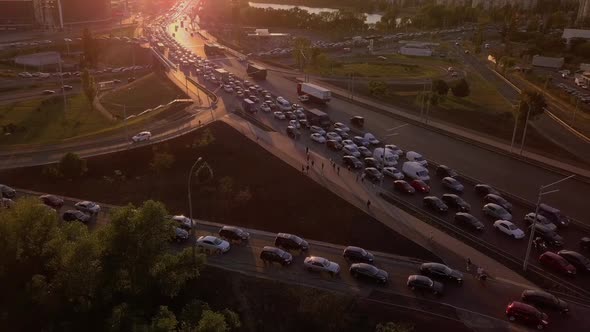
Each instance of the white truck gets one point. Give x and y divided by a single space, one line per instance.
314 92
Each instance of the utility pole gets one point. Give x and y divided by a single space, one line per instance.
575 110
526 124
514 131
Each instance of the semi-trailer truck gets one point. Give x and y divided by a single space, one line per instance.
318 118
314 92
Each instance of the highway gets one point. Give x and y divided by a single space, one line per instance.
479 305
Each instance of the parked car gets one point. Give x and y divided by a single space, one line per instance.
341 133
52 201
418 282
484 189
420 186
279 115
212 244
373 174
183 222
360 141
180 234
358 255
234 234
509 229
452 184
351 150
441 271
579 261
394 149
320 264
553 215
549 236
333 136
469 220
293 132
316 129
527 314
585 243
290 242
403 187
371 139
6 191
497 199
76 215
357 121
393 173
544 300
556 262
529 218
334 145
434 203
415 156
496 212
368 272
275 255
318 138
341 126
88 207
364 151
443 171
142 137
372 162
456 202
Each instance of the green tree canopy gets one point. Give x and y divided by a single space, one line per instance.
441 87
461 88
534 101
72 166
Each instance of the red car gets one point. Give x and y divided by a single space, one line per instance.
555 262
403 186
420 186
527 314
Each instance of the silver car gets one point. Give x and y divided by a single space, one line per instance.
496 211
320 264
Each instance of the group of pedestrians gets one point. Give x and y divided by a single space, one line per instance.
480 272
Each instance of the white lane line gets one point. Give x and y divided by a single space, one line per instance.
398 127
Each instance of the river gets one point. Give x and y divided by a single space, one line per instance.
370 18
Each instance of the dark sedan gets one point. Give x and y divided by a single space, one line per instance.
553 239
418 282
372 162
456 202
484 189
373 174
452 184
334 145
434 203
469 220
497 199
544 300
52 201
444 171
579 261
359 255
403 186
441 271
368 272
352 161
75 215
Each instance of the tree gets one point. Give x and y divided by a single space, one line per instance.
90 49
162 161
89 87
393 327
164 321
534 101
212 322
301 51
441 87
377 88
461 88
72 166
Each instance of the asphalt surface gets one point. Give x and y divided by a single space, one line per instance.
479 305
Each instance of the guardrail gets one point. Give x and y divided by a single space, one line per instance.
542 278
210 94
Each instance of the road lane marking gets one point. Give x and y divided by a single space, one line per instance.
398 127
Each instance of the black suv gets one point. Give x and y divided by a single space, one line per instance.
271 254
234 234
469 220
359 255
457 202
52 201
541 299
576 259
291 242
441 271
436 204
553 239
443 171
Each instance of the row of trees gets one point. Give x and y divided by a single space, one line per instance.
121 277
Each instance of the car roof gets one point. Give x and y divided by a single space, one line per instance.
536 292
523 306
271 248
353 248
231 228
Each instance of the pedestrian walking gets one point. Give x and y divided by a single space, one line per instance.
307 168
334 165
469 264
338 170
199 123
308 157
322 166
307 151
303 168
368 204
348 168
312 163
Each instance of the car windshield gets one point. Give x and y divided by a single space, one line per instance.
422 173
371 270
216 241
511 227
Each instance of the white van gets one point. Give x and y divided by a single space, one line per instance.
415 171
415 156
283 104
385 156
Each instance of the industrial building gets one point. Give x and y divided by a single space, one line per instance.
53 13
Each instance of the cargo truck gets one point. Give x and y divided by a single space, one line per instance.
314 92
256 72
317 118
249 106
222 75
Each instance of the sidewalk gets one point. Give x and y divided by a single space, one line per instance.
459 133
344 183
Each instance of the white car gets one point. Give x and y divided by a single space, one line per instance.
393 172
228 88
394 149
415 156
351 150
372 139
280 115
348 142
141 137
265 108
341 133
316 129
541 221
341 126
180 234
320 264
316 137
365 152
88 207
508 228
303 98
183 222
212 244
295 124
334 136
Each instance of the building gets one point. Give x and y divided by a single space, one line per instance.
68 12
547 62
17 13
584 10
53 13
569 34
491 4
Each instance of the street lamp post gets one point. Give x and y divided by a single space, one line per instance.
514 132
190 208
526 124
531 237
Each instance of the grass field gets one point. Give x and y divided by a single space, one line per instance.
378 70
45 121
149 91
